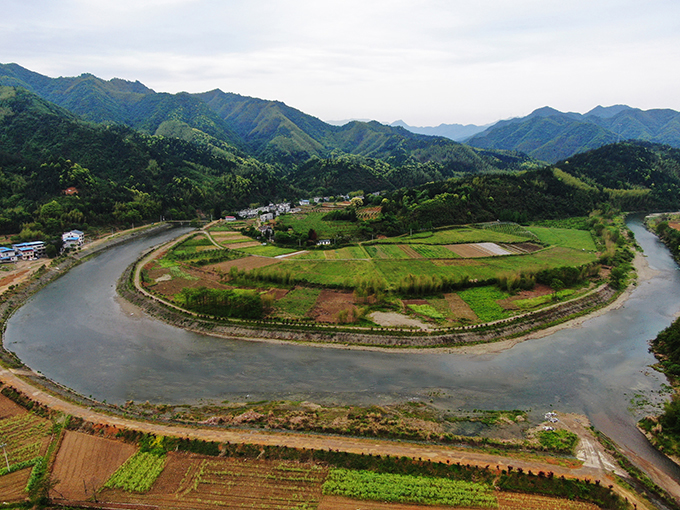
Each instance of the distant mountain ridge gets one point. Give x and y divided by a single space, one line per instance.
268 130
456 132
550 135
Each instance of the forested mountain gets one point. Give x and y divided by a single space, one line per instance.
268 130
121 176
631 176
550 135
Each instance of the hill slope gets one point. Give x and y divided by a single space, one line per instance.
549 135
268 130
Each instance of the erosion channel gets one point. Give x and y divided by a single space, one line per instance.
78 332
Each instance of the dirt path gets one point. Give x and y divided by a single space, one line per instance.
364 446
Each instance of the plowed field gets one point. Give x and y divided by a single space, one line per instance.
196 482
84 463
9 408
12 486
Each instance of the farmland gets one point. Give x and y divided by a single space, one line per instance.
443 267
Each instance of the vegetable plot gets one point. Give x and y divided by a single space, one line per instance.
408 489
138 473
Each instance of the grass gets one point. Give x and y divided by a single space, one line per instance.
483 301
268 251
344 272
298 302
427 311
567 238
434 251
455 236
535 302
302 223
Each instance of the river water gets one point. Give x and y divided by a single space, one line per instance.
77 331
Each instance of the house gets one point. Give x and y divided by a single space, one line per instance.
304 202
230 218
30 251
266 217
70 191
72 238
7 255
323 242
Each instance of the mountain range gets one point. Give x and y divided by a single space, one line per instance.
550 135
268 130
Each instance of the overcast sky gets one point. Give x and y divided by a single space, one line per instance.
427 62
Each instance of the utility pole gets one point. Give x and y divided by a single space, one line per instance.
3 445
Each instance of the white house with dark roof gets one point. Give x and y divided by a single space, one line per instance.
72 238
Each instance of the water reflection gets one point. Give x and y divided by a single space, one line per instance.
77 332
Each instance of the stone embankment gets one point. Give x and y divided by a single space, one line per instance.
377 337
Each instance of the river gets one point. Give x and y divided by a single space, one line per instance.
77 331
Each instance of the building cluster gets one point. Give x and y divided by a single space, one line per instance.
32 250
267 212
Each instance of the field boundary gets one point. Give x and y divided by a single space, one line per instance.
129 287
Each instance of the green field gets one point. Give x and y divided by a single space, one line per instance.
397 488
483 301
434 251
267 251
455 236
568 238
298 302
302 223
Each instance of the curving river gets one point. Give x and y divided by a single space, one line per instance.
77 331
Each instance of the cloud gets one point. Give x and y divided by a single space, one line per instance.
427 62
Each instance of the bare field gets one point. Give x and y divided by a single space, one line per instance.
245 263
84 463
410 252
8 408
459 308
12 486
330 303
516 501
476 250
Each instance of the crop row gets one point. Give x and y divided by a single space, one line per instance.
369 485
138 473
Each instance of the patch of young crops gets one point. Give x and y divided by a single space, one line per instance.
23 435
484 302
427 311
138 473
434 251
298 302
393 488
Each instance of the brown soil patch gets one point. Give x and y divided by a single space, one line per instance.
522 247
415 301
13 485
244 264
538 290
330 303
9 408
410 252
236 246
84 463
516 501
459 308
198 482
7 280
674 225
469 251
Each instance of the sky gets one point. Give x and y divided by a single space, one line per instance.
426 62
